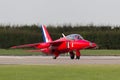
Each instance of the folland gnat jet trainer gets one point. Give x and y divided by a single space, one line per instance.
71 44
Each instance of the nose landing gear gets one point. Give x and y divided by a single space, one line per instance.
78 54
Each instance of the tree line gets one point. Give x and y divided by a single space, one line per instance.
107 37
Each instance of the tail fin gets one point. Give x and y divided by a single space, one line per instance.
45 34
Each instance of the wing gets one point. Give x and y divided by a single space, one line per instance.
40 45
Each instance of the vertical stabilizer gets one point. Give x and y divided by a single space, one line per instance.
45 34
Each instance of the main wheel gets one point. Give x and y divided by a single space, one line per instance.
54 57
72 55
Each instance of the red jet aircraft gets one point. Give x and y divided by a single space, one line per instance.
71 43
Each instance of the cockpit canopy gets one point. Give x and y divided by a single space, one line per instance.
74 37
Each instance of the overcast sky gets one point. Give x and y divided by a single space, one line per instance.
60 12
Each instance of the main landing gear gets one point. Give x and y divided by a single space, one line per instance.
72 55
56 54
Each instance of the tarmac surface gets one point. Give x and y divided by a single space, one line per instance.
47 60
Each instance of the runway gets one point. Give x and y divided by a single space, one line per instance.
47 60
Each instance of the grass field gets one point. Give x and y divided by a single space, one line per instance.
17 52
59 72
20 52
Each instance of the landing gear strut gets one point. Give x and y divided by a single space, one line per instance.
78 54
56 54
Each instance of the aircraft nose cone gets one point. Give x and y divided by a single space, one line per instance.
93 45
